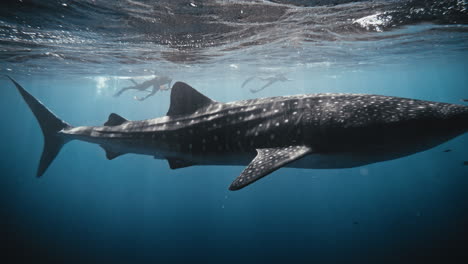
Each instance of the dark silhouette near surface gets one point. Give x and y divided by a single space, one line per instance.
269 81
160 83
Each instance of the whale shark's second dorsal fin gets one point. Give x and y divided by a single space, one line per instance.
115 120
186 100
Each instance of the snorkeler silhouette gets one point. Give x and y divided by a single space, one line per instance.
270 80
158 84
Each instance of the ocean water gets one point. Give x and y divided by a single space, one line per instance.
74 55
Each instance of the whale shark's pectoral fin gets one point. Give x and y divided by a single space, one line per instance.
267 161
178 163
115 120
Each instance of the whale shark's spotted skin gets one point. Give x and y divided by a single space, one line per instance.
307 131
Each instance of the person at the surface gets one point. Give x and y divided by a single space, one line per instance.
159 83
269 81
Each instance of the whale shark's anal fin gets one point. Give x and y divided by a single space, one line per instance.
267 161
178 163
186 100
115 120
110 155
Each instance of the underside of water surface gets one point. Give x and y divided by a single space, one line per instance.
74 56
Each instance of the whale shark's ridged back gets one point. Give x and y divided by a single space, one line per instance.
50 125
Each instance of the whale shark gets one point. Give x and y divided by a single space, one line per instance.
317 131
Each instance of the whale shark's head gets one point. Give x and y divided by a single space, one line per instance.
390 123
431 124
455 116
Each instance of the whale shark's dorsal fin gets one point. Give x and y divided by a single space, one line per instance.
115 120
267 161
186 100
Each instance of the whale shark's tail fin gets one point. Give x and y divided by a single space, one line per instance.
50 125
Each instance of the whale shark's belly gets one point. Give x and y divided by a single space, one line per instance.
312 161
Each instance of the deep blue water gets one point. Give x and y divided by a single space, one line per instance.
135 209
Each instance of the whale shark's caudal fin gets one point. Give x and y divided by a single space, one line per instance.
50 125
